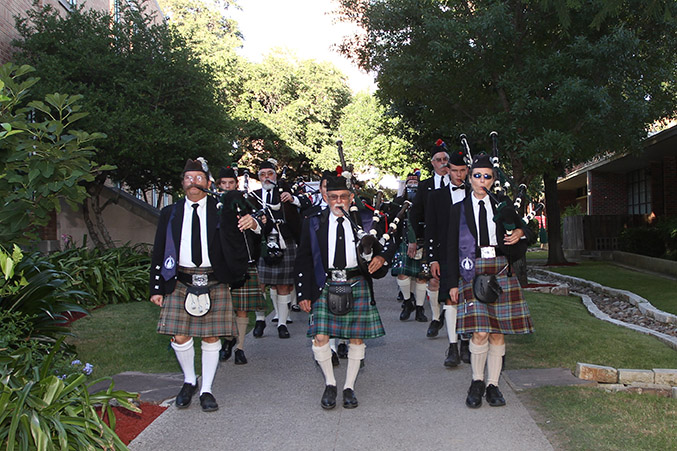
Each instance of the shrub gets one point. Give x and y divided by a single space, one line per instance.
668 229
642 240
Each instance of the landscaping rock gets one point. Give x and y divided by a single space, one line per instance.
630 376
665 376
599 373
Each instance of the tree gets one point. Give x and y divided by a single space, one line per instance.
560 81
43 158
144 89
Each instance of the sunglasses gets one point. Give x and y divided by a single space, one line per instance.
440 160
191 179
478 175
335 197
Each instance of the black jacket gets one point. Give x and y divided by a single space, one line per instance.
418 209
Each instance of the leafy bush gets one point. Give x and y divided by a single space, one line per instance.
642 240
110 276
668 229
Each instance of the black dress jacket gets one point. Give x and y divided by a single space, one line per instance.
418 209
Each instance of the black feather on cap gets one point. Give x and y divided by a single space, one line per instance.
227 173
195 165
481 160
440 146
337 183
456 158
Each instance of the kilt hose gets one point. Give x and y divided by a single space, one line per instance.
509 315
249 298
281 273
218 322
362 322
403 264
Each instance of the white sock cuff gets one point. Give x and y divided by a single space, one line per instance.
405 287
478 349
216 346
322 353
356 351
260 315
497 350
433 295
450 307
183 347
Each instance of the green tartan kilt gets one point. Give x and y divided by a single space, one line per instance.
508 315
362 322
249 298
403 264
218 322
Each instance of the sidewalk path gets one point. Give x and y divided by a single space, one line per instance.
408 399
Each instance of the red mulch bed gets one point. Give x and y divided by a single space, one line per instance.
129 424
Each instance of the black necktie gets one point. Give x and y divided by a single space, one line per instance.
196 241
269 197
484 228
442 183
340 252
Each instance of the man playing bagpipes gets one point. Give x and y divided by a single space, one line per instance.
333 278
197 253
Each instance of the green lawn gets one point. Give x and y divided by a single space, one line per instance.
660 291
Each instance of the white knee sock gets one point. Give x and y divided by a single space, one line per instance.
450 312
283 309
495 363
260 315
210 361
355 356
419 293
273 299
293 298
242 323
323 358
478 359
332 344
405 286
185 354
434 304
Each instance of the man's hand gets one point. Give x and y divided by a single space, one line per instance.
247 222
435 270
305 305
286 197
411 250
375 264
514 237
453 295
156 299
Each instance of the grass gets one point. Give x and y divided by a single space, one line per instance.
660 291
537 255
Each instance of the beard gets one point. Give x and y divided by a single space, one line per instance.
267 185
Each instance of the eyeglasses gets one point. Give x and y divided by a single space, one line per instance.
478 175
441 160
335 197
193 178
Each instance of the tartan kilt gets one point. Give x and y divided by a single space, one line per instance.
403 264
283 272
249 298
362 322
508 315
218 322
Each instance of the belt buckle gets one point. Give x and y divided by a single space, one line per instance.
200 280
488 252
339 275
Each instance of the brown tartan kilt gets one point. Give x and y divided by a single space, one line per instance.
508 315
249 298
403 264
283 272
218 322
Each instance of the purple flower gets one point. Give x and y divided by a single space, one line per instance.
88 369
76 362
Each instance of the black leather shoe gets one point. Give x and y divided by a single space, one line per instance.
329 397
185 396
465 351
475 393
349 399
420 315
407 308
227 349
208 403
334 359
433 329
274 319
258 329
342 351
282 331
295 308
240 359
494 396
452 359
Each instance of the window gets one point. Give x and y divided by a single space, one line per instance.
639 192
68 4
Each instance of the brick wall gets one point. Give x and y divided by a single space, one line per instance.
670 185
608 193
657 191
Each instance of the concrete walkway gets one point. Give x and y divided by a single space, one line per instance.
408 399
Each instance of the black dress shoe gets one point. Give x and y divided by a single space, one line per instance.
494 396
342 351
433 329
227 349
334 359
274 320
208 403
295 308
282 331
349 399
465 351
420 315
240 359
452 359
475 393
185 396
407 308
329 397
258 329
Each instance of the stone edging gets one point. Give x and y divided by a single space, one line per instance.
659 381
642 304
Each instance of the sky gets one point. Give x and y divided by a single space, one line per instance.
306 27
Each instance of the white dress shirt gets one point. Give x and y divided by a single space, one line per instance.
351 252
491 225
185 248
